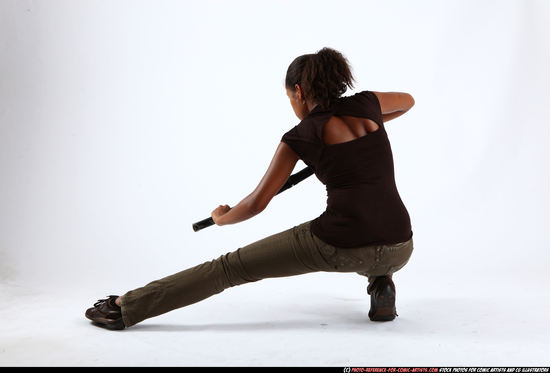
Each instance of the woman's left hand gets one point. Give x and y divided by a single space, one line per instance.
218 212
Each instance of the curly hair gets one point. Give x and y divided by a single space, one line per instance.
323 76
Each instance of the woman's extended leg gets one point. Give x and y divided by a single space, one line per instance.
291 252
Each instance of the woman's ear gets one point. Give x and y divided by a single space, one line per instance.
298 92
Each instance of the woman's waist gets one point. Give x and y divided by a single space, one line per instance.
348 231
358 211
363 196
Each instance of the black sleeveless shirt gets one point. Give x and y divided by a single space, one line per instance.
363 204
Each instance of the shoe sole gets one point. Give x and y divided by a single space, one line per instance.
113 326
117 324
385 307
383 314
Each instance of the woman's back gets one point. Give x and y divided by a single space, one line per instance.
344 128
348 148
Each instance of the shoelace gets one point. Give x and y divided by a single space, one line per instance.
101 301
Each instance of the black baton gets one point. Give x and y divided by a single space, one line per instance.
292 180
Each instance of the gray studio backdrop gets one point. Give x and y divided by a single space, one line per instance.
123 122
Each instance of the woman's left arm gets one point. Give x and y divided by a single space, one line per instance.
277 174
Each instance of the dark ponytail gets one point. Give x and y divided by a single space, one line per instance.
323 76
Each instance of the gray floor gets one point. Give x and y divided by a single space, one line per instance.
488 321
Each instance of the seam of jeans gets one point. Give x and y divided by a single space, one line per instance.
296 241
248 278
223 260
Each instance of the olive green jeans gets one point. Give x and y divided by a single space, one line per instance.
294 251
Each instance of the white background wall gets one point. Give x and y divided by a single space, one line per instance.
123 122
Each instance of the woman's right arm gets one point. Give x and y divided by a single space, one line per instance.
394 104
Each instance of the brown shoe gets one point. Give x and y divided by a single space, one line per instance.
382 299
106 313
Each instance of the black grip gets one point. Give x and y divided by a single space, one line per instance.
292 180
203 224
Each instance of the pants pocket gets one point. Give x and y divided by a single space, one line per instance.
348 260
389 259
395 257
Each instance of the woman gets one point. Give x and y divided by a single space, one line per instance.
365 228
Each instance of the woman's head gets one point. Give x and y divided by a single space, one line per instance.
317 79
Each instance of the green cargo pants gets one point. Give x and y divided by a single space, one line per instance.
294 251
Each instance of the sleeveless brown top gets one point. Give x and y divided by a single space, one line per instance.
363 204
